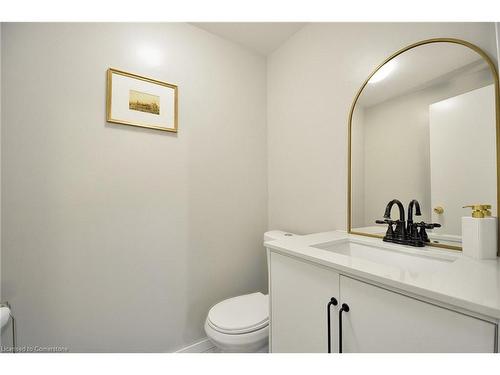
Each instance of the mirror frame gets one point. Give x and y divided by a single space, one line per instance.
351 112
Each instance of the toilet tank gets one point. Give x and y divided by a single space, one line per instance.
276 234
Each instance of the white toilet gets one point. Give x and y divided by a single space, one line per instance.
241 324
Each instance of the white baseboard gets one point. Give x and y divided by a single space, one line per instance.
201 346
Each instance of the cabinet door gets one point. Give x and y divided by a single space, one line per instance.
299 294
383 321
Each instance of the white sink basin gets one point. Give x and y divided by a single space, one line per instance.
417 260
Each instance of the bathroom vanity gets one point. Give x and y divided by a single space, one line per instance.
399 298
387 285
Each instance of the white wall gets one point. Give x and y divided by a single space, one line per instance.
450 186
397 155
497 32
0 169
119 238
358 161
312 80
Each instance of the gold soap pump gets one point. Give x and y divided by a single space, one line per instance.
479 233
480 211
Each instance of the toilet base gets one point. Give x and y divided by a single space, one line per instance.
264 349
252 342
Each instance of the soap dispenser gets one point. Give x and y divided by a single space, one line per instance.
479 233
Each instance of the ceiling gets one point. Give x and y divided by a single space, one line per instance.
260 37
422 67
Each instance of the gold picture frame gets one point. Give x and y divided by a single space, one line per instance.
496 80
141 101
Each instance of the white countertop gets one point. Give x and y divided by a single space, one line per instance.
466 283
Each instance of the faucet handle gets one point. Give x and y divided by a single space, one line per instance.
389 234
385 221
428 225
423 226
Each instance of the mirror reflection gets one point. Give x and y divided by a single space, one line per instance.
424 128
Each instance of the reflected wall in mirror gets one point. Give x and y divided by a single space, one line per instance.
424 126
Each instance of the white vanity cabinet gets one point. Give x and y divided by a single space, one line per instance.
378 320
299 294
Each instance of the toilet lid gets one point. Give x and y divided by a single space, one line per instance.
240 314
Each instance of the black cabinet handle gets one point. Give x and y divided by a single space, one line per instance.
333 302
345 307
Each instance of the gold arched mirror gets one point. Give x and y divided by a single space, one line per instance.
424 126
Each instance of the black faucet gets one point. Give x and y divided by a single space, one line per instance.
406 232
399 233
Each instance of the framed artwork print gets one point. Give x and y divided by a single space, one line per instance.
140 101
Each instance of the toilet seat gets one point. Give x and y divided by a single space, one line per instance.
239 315
240 324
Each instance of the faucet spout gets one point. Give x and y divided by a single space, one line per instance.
399 234
388 208
413 203
411 229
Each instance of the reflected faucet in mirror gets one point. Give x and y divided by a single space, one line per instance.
406 232
411 227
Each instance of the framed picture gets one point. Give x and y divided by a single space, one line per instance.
140 101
